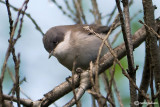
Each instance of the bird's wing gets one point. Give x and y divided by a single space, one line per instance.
100 29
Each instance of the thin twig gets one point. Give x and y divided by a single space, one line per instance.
103 99
73 85
123 70
9 15
116 36
96 13
68 7
81 11
24 102
17 88
150 29
96 86
117 93
14 81
158 92
11 47
91 74
112 72
78 12
6 57
98 56
105 62
118 33
17 60
106 83
28 15
111 15
151 41
126 30
63 10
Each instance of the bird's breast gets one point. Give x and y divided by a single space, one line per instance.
81 48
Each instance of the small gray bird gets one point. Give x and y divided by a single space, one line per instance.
71 43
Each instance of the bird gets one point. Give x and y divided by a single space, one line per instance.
73 43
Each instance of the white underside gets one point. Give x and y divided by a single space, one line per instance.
84 50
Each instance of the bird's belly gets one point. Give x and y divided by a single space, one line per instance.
81 59
82 51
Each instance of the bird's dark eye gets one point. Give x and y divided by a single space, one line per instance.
55 42
90 33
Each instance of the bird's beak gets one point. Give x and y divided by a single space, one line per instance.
50 54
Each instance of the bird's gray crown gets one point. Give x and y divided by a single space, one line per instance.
52 37
56 34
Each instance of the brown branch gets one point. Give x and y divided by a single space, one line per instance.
106 83
150 29
126 30
73 86
25 102
84 85
17 88
117 34
7 56
123 70
82 12
117 93
111 72
17 60
126 74
96 12
14 81
63 10
9 15
28 15
59 91
129 47
11 46
77 4
96 85
111 15
91 74
158 92
105 62
102 98
151 42
68 7
145 78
